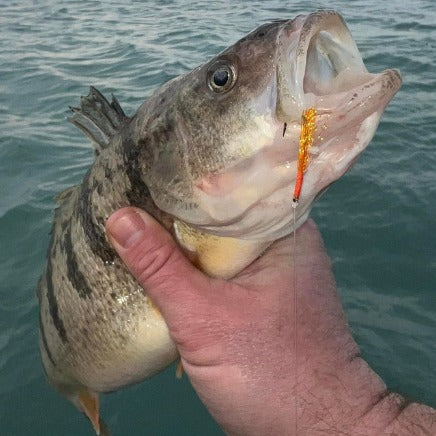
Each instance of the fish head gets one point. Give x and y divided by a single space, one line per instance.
220 144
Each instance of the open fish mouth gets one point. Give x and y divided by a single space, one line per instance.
334 78
325 66
349 101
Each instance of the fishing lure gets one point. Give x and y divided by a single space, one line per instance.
306 140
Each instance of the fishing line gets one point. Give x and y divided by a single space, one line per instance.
295 320
306 140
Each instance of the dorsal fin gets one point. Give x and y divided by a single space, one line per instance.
98 118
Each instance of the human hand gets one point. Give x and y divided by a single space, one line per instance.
236 338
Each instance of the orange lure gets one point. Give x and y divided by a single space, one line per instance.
306 140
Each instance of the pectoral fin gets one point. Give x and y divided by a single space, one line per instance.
90 406
179 369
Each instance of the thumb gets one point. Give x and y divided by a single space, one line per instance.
156 261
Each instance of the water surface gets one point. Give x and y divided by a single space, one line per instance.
378 222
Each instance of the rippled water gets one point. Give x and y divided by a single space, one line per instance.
378 222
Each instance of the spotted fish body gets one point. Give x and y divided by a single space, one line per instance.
91 307
213 156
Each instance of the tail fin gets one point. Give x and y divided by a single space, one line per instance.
104 429
99 119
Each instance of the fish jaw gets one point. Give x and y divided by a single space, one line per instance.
328 74
318 66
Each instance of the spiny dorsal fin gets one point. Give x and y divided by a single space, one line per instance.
98 118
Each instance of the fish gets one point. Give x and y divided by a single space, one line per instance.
213 156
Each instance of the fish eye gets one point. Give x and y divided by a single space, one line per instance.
221 77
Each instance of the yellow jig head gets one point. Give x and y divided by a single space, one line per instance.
306 140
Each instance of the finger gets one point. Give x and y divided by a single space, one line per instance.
155 260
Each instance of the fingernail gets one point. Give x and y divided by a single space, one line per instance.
127 229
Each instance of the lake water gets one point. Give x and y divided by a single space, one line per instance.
379 222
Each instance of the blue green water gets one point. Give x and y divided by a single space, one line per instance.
379 222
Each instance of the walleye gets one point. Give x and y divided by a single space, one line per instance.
213 156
